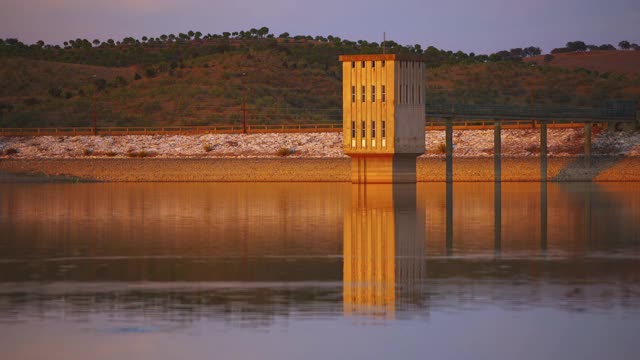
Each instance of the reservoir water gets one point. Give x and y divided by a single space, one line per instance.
320 271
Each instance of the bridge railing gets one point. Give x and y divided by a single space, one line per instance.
609 111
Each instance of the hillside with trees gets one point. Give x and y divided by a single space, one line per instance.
196 79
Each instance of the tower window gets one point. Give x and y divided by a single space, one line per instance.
373 129
364 93
353 64
363 64
382 63
364 129
373 93
353 93
353 129
373 64
384 93
384 129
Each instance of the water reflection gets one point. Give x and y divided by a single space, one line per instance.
384 252
254 253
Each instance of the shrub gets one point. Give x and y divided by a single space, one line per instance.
11 151
111 153
284 152
87 152
442 148
31 101
55 92
100 84
137 77
150 72
208 148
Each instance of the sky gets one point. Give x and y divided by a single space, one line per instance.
468 25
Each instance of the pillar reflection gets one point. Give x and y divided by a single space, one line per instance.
384 250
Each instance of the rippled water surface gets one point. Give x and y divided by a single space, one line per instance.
331 271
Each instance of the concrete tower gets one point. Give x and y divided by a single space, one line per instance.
383 116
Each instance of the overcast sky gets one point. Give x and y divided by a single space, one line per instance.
481 26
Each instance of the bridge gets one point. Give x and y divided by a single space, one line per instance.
612 112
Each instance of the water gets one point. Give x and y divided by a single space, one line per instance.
338 271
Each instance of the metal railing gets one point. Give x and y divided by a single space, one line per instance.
171 130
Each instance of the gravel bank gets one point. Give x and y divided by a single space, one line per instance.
611 168
467 143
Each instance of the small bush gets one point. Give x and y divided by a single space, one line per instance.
11 151
100 84
111 153
31 101
87 152
140 154
150 72
208 148
442 148
284 152
137 77
55 92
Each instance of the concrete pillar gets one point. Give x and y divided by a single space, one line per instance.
543 216
497 151
543 151
587 143
497 216
449 148
449 219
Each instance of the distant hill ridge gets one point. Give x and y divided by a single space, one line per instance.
203 79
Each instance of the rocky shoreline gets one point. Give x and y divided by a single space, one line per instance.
467 143
308 157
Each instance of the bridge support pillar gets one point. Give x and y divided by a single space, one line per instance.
587 143
497 217
449 148
543 151
497 151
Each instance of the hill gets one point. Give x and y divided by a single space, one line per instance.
612 61
189 81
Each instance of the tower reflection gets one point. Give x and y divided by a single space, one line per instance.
384 250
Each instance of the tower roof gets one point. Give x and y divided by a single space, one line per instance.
375 57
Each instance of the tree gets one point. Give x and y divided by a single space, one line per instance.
263 31
624 45
40 43
96 42
191 34
144 39
576 46
226 34
198 35
284 35
606 47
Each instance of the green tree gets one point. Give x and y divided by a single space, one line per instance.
263 31
624 45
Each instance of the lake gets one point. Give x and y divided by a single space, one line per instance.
320 270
